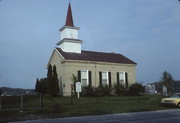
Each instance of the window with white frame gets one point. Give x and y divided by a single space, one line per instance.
122 78
84 77
104 78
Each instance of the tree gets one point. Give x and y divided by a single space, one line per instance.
0 92
41 86
167 80
37 85
55 81
74 79
49 80
52 81
135 89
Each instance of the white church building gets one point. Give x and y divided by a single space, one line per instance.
91 67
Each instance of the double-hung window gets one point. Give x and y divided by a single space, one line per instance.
105 78
122 78
84 77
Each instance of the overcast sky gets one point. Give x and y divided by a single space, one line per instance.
146 31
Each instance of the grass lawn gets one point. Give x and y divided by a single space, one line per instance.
62 107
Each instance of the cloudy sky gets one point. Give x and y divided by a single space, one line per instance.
146 31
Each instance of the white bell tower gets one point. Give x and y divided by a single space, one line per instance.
69 35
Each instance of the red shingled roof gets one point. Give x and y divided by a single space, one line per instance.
69 18
96 56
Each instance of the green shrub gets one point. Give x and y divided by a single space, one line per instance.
98 91
135 90
119 90
105 90
88 91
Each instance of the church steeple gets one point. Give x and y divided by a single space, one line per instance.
69 35
69 18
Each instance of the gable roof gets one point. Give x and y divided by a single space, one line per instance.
96 56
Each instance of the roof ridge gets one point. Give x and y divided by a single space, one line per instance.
101 52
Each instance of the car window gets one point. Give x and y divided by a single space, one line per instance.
176 96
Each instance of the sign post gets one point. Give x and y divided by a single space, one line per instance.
78 88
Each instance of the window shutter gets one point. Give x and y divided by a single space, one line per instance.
100 78
117 77
126 80
79 75
90 80
109 76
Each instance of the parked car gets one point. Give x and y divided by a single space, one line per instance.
173 100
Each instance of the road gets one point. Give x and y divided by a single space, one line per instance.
162 116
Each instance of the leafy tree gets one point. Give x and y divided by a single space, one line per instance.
167 80
135 89
159 86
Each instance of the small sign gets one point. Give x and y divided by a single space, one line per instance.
78 87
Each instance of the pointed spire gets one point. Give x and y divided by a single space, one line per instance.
69 18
